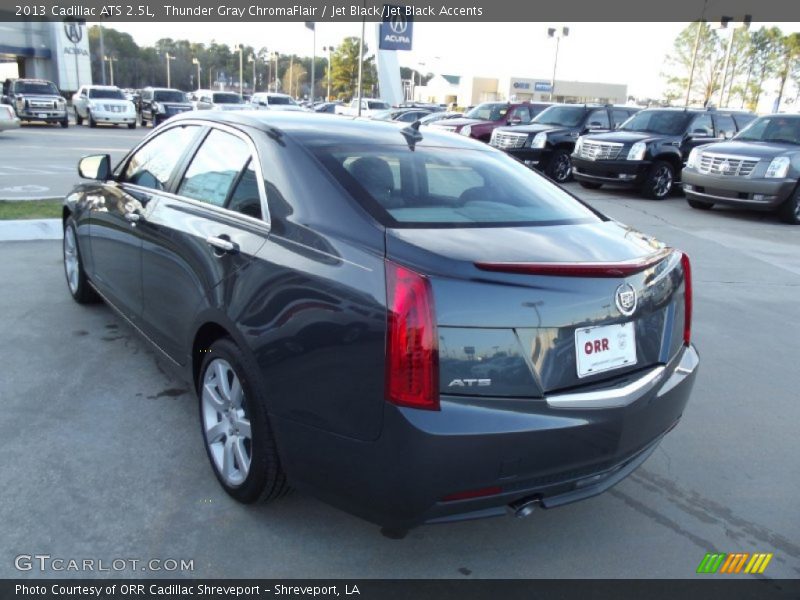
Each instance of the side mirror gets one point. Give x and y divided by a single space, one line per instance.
96 166
700 133
515 121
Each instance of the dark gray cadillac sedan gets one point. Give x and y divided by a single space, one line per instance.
409 325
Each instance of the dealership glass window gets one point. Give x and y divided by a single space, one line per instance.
153 163
215 168
599 119
726 126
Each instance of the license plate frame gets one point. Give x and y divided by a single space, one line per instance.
612 347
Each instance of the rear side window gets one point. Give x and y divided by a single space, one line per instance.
743 119
215 168
153 163
702 125
448 187
620 116
599 119
726 126
523 114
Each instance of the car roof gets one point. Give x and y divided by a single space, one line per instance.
162 89
32 79
102 87
325 129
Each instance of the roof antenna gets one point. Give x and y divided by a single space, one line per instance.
412 134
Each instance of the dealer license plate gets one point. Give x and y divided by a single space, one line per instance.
604 348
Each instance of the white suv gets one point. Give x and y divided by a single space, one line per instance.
274 101
103 104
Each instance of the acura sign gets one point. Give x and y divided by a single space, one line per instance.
396 30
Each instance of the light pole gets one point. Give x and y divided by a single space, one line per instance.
169 58
196 61
553 32
723 24
361 57
240 49
328 49
275 54
252 59
313 27
110 60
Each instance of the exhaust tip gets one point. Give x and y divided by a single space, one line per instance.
524 507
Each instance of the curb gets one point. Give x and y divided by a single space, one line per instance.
30 229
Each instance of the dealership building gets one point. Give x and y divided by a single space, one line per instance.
57 51
471 90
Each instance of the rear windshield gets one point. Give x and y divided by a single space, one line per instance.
36 87
564 116
169 96
448 187
280 100
777 129
227 99
106 94
488 111
376 105
664 122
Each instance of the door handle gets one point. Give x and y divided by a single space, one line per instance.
225 245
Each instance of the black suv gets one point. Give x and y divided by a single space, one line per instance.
649 150
159 104
36 100
548 141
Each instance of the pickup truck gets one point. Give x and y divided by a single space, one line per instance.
481 121
369 106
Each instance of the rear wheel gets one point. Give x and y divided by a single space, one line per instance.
143 120
78 118
700 204
65 123
590 185
77 282
659 181
131 125
559 169
789 211
236 430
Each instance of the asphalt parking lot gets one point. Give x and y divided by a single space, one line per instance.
103 457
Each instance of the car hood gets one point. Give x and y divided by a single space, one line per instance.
606 241
535 128
462 122
624 137
110 101
230 107
754 149
40 97
287 108
177 104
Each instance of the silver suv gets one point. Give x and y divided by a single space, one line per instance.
35 100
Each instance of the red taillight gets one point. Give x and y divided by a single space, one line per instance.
412 348
490 491
687 298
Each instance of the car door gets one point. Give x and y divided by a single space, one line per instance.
119 209
81 102
208 229
147 104
598 121
700 131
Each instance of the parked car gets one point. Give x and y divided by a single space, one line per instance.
368 107
649 150
479 122
403 115
327 107
159 104
548 141
210 100
35 100
274 101
8 120
103 104
440 116
759 168
327 285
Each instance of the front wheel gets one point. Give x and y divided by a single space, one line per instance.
65 123
131 125
559 169
78 118
92 122
236 430
77 282
659 181
590 185
789 211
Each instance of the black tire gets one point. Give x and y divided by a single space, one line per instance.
265 480
92 122
143 121
789 211
65 123
559 167
82 292
156 122
78 118
700 204
131 125
590 185
659 181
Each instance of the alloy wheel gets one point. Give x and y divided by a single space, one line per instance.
562 168
662 181
226 422
71 263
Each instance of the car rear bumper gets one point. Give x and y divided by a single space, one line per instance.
737 191
617 172
529 449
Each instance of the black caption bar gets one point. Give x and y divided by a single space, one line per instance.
381 589
374 10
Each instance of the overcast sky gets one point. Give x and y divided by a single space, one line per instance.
629 53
